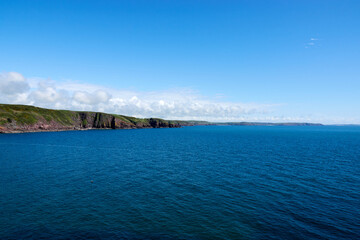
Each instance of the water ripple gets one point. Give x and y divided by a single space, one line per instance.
189 183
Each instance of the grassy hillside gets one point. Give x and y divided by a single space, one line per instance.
30 118
23 114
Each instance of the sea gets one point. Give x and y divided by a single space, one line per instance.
201 182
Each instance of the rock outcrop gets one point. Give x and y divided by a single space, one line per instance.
22 118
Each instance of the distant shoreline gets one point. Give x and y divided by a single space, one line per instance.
25 118
265 124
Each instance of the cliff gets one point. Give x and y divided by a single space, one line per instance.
23 118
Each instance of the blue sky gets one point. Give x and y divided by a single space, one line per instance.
213 60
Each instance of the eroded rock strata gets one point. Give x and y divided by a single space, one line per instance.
22 118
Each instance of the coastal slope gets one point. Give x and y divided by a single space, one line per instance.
24 118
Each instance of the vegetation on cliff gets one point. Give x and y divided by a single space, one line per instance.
23 118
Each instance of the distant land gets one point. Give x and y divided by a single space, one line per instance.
267 124
24 118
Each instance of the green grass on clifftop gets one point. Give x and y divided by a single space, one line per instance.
29 115
23 114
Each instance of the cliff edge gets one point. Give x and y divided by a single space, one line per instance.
24 118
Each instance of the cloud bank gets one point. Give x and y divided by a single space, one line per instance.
181 104
13 84
176 104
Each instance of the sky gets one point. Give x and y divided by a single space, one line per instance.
244 60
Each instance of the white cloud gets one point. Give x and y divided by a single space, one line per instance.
46 94
13 83
171 104
312 43
180 104
94 98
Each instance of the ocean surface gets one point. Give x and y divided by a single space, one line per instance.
204 182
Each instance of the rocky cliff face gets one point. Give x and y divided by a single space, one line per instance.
17 118
103 120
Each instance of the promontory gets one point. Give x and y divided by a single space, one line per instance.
24 118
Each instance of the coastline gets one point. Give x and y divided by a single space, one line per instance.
70 130
28 119
24 118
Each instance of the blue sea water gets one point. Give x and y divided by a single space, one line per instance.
205 182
